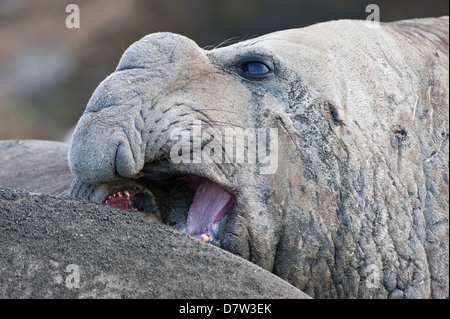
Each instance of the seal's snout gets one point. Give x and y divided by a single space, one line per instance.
108 139
102 154
120 120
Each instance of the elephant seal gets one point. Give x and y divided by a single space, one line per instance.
355 204
56 247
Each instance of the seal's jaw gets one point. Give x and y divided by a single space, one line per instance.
191 204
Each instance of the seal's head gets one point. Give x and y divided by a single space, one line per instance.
184 133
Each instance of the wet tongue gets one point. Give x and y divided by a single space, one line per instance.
211 203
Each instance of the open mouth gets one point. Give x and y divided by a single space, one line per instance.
191 204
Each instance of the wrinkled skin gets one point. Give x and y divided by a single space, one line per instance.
358 207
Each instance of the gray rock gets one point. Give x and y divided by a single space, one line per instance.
46 240
35 166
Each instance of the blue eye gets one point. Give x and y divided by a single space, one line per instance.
254 69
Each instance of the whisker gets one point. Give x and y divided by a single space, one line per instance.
246 44
248 37
225 42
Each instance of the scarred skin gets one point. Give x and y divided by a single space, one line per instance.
358 207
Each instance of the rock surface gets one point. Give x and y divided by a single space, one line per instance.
35 166
46 240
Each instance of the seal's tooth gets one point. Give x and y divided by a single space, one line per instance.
127 194
119 194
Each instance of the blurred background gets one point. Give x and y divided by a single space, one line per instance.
48 72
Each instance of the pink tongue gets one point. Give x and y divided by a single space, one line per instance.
211 203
